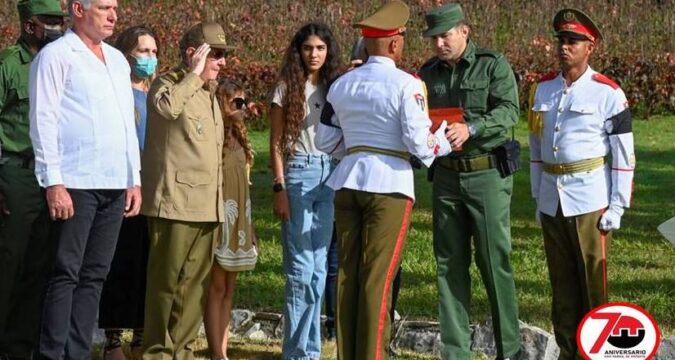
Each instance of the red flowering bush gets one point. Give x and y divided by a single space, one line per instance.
638 50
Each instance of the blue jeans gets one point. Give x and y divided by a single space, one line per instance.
305 238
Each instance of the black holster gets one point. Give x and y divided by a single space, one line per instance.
508 157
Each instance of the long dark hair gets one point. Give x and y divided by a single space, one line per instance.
128 40
294 75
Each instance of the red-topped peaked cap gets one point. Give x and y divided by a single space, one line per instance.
388 20
574 23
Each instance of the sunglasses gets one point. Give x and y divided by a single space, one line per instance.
217 54
240 103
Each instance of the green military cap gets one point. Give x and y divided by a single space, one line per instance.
443 18
205 32
28 8
388 20
573 23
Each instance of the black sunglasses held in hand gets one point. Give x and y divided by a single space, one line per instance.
240 103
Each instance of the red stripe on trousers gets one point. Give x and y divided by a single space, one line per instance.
603 243
390 275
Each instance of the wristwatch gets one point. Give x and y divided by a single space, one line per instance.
472 130
278 187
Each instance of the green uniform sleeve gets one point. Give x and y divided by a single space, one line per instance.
502 102
4 85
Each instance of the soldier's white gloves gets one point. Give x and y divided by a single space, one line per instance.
611 219
444 145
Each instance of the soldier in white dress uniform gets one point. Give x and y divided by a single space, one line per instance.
379 122
582 162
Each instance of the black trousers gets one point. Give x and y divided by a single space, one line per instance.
86 244
25 259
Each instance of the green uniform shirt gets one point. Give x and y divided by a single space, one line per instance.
14 69
483 84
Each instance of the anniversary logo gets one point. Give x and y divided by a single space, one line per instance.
618 331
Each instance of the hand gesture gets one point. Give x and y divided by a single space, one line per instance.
197 61
444 145
457 134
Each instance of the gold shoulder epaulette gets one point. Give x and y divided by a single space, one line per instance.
535 121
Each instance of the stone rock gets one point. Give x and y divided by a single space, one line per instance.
535 344
666 350
98 337
419 337
279 329
552 349
267 316
239 320
483 339
254 333
267 326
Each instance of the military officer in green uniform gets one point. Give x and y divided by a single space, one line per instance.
471 199
24 220
182 191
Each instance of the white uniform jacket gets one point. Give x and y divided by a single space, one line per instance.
380 106
588 119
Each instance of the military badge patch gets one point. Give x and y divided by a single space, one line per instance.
421 101
439 89
431 141
569 16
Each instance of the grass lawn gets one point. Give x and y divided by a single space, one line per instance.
640 260
640 266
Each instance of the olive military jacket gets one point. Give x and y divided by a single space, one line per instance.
182 173
483 84
14 121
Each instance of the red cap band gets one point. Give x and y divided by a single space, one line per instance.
368 32
578 28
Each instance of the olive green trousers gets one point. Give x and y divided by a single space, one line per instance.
179 264
371 231
474 205
576 253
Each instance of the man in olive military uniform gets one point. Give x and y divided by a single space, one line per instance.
471 199
24 220
182 181
579 117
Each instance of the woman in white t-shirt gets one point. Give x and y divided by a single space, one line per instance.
302 200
